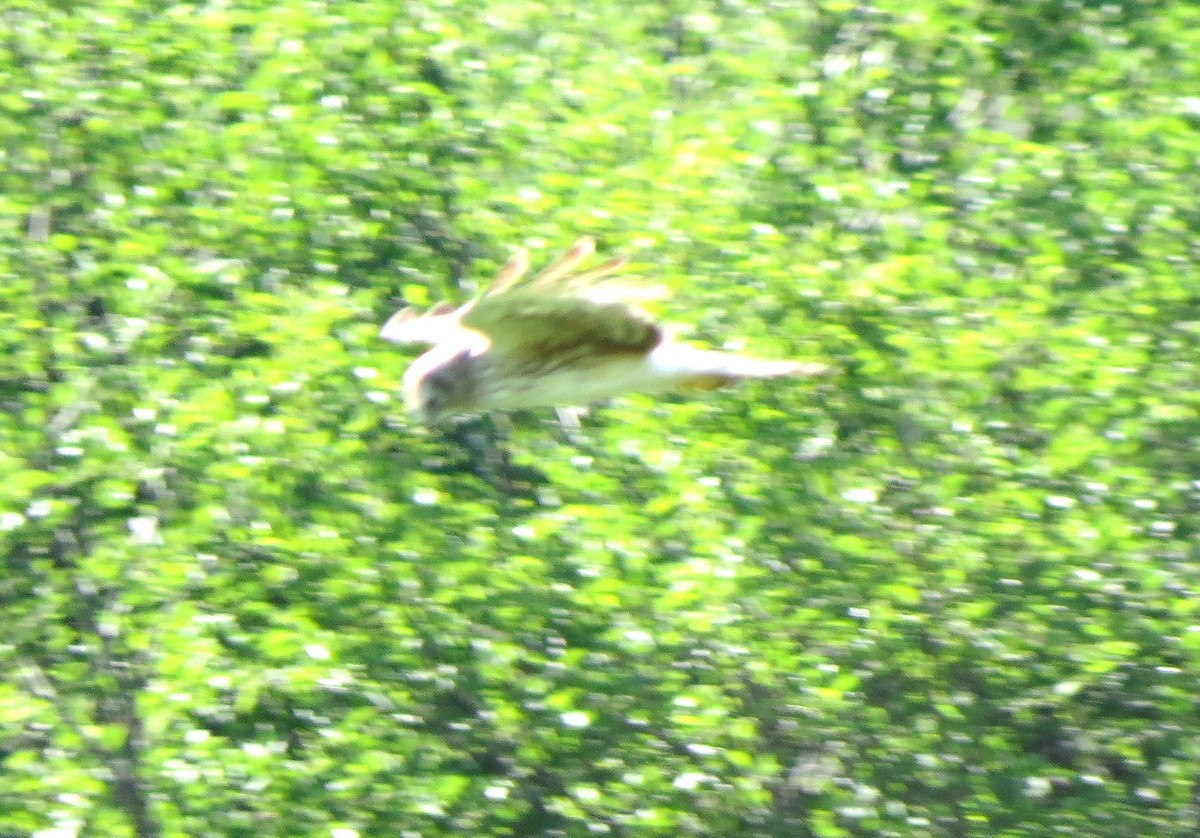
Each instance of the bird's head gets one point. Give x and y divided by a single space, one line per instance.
439 384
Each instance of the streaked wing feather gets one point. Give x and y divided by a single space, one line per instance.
555 311
511 273
530 322
582 249
399 327
592 274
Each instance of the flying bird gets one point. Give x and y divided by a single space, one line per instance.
564 338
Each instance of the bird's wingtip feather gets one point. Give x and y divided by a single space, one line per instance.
394 328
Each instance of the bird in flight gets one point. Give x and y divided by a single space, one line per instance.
563 338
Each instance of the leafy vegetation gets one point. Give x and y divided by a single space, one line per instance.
949 592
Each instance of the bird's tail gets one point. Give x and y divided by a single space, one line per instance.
702 369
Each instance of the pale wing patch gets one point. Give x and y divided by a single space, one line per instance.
526 321
407 326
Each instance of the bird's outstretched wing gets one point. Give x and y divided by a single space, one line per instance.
409 326
557 311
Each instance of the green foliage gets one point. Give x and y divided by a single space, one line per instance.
949 592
